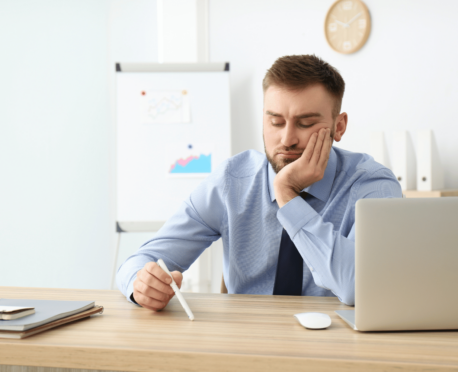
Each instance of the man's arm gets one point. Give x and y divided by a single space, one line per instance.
329 255
183 238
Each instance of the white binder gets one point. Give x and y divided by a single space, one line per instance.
403 160
429 168
379 149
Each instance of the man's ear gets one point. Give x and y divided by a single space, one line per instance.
341 126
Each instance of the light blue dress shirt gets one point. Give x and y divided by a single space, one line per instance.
237 203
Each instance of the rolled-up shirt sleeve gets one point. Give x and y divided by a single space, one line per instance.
329 255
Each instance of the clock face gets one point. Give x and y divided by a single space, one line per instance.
347 25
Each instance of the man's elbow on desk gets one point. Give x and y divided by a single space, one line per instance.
348 298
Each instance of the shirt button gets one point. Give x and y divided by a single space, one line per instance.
311 268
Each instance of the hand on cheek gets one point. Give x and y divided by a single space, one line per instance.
306 170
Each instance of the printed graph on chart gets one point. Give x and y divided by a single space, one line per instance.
189 160
165 107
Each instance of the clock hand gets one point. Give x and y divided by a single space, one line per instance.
354 18
341 23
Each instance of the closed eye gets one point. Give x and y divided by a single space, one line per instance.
306 125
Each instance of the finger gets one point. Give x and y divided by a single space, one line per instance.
150 292
153 282
318 146
308 152
326 150
148 302
177 277
154 269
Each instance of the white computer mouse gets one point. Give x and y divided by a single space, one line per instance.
314 320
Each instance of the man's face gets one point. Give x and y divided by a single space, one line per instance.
290 118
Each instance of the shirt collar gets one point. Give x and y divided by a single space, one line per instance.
320 189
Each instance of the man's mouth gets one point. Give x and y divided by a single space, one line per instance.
289 154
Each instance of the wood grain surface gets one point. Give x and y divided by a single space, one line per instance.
230 333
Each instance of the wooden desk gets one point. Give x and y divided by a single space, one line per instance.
230 333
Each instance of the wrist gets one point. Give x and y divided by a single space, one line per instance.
133 299
284 195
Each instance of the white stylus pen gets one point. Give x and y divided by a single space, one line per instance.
176 290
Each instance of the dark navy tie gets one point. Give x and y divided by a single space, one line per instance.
288 281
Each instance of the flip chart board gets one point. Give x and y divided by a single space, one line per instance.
172 130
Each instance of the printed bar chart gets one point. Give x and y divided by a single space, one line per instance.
192 164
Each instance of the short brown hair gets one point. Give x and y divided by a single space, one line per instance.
300 71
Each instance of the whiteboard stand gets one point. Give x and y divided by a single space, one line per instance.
130 226
168 115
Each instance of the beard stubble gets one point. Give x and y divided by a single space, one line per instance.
277 166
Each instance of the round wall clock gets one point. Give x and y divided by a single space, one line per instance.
347 25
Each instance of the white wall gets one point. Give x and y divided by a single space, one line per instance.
57 122
132 38
133 31
54 153
404 78
57 132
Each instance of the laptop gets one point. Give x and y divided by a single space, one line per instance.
406 265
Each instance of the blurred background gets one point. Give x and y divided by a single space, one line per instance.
57 104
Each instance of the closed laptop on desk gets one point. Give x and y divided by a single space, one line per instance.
406 265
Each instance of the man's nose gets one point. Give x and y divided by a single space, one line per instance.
289 135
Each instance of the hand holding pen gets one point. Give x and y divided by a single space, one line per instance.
174 286
152 288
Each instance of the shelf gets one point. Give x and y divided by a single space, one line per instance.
430 194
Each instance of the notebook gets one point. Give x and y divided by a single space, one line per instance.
46 311
48 326
15 312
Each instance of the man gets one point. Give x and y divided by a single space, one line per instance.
287 218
